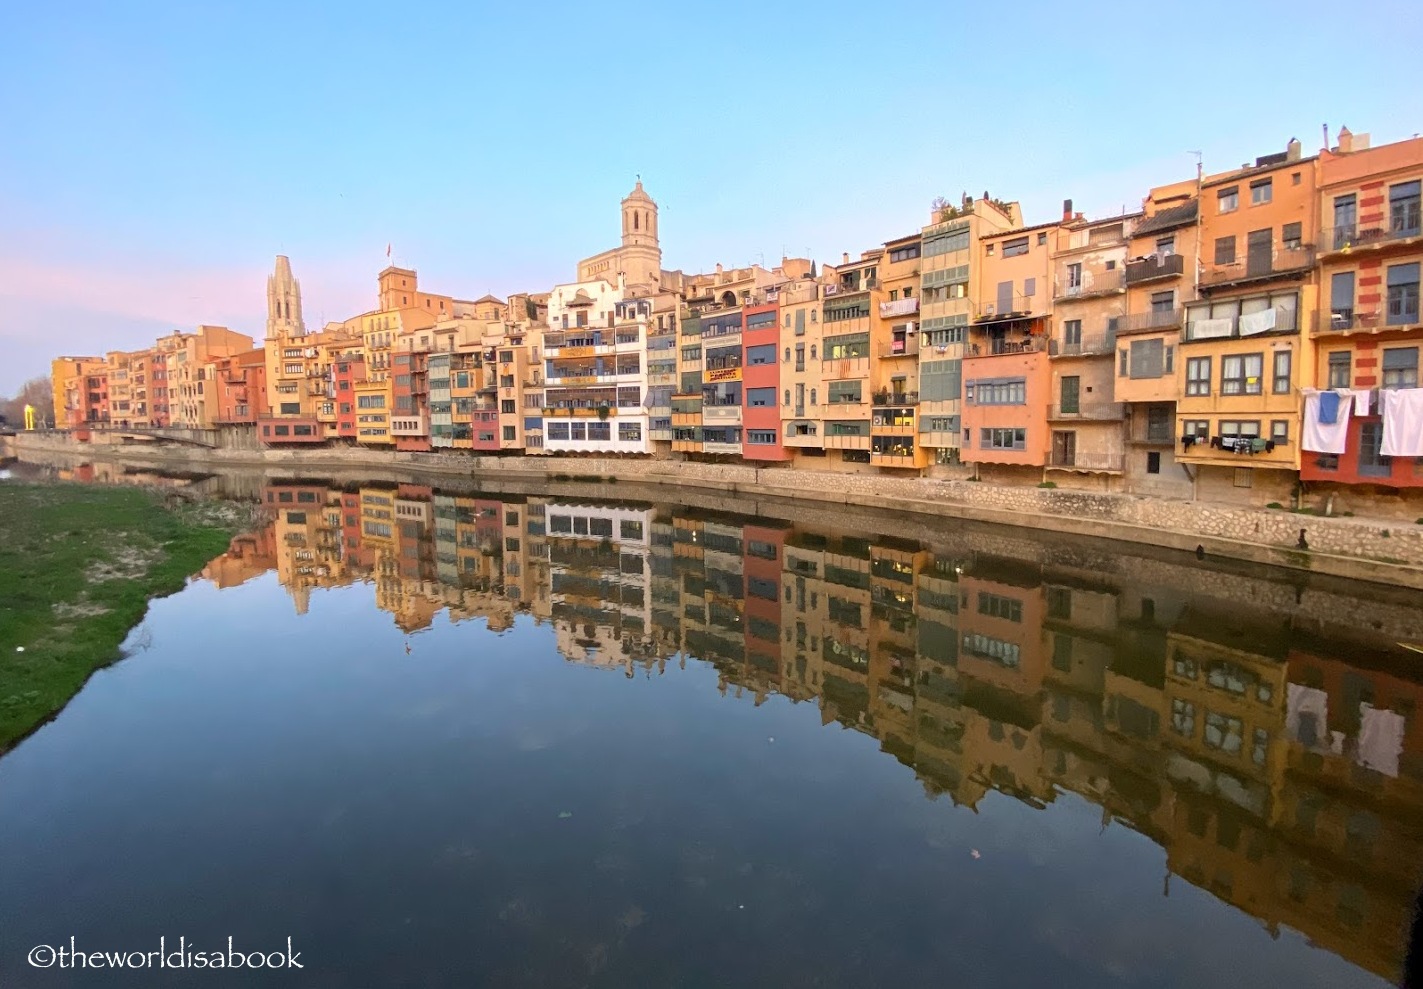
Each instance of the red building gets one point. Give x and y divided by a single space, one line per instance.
345 372
761 382
762 562
241 384
410 389
1368 330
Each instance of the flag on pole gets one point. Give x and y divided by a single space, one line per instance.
387 250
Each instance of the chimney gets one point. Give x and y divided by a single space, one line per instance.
718 268
1292 150
845 257
1066 210
1346 140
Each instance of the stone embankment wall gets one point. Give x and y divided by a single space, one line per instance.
1389 552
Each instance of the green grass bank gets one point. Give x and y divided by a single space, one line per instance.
78 565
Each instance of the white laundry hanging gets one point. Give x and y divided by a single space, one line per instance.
1324 437
1402 422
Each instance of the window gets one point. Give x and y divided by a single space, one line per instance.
788 355
508 406
997 391
1400 367
1163 301
1403 208
631 432
290 408
1122 356
844 391
1280 431
906 253
1225 250
800 357
1403 294
1341 300
1238 428
1199 428
788 398
1074 275
760 397
761 354
1072 330
1198 376
1042 239
1292 234
1166 246
1030 286
1183 717
600 431
1240 374
1372 462
1261 192
1153 462
1339 376
812 351
1244 477
1148 358
1003 439
511 432
1281 383
812 396
998 606
1015 247
761 437
1223 732
1228 200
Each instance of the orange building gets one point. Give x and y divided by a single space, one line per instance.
1242 352
1006 376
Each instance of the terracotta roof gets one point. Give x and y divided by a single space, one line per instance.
1168 219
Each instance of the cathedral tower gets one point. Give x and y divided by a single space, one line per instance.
284 302
639 219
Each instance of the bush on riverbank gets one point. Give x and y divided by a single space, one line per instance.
78 565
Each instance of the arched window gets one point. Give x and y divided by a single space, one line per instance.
812 396
788 355
634 219
812 351
788 396
788 320
812 315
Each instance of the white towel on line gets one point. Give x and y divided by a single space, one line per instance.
1324 437
1402 422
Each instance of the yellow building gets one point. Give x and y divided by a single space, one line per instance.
894 399
72 403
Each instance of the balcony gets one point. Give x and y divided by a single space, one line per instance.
996 348
895 399
1259 266
1090 346
1402 229
1008 308
908 347
1110 463
899 307
1155 268
1148 322
1278 320
1088 283
1396 314
1087 411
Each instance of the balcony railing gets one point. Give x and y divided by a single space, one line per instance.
1110 462
1395 314
1406 225
1088 282
899 307
1156 267
1090 411
999 347
1259 266
1145 322
891 399
900 348
1009 307
1221 327
1102 343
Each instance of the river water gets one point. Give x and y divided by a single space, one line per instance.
451 737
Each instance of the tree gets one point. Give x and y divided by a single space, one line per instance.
37 392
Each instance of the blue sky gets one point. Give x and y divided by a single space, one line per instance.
156 156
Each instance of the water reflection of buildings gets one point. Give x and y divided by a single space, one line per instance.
1278 765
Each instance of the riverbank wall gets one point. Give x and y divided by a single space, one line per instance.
1386 552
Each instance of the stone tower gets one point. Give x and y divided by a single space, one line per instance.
639 219
284 302
639 260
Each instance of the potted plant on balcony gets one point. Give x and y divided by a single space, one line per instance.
603 412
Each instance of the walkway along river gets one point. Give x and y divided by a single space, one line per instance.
443 734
